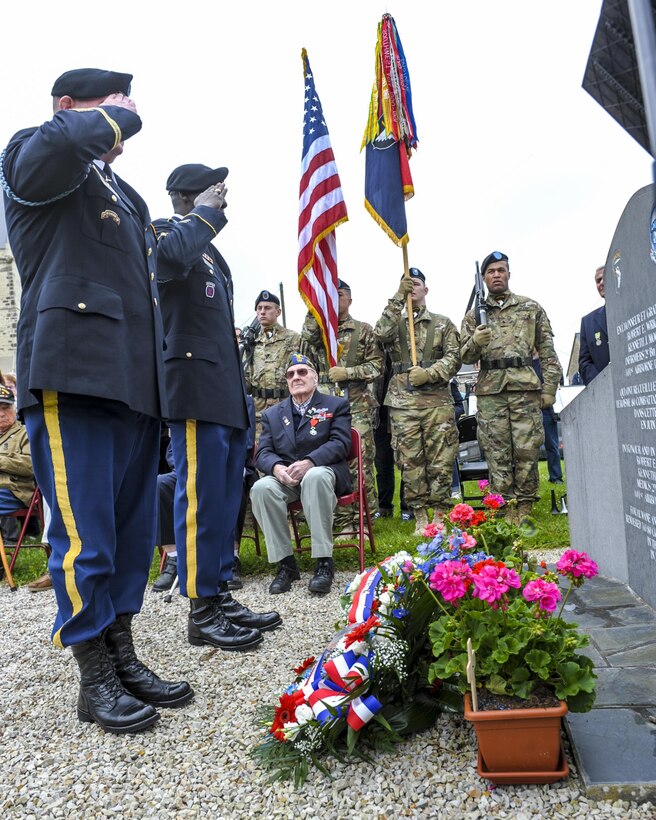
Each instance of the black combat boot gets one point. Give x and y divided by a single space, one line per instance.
287 572
323 576
137 678
235 582
208 624
102 698
242 615
168 575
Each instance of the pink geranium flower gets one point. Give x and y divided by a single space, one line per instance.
493 501
492 581
544 592
432 530
483 484
461 514
450 579
577 564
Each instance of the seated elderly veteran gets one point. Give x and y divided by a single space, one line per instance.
16 474
302 452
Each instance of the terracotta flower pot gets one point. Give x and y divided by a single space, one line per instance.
525 742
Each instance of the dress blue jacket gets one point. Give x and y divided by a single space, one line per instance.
90 322
330 419
593 351
204 377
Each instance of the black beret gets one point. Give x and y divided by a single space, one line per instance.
194 178
415 273
89 83
341 285
495 256
6 395
267 296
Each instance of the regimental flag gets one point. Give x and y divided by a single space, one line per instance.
390 136
321 210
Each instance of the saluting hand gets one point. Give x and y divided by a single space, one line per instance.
121 100
213 197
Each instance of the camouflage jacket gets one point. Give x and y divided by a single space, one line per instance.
518 325
442 361
364 363
266 363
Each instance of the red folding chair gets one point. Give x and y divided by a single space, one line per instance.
358 496
34 511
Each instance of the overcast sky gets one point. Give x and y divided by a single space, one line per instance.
513 155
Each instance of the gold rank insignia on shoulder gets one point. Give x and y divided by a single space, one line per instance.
107 214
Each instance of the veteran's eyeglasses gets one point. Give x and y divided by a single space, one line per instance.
300 371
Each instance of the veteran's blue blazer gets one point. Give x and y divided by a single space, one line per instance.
90 322
593 357
280 444
204 377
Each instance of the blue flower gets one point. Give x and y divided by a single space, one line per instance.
400 612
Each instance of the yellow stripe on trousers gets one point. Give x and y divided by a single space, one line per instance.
191 530
51 417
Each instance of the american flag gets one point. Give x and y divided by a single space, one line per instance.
321 210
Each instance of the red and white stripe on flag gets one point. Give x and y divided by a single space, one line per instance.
321 210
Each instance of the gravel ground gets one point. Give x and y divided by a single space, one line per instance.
194 762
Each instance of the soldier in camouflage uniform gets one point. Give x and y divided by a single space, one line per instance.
266 359
360 362
508 392
424 434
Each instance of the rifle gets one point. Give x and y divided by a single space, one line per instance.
248 336
481 310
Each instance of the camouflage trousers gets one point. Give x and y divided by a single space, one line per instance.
362 421
510 432
425 443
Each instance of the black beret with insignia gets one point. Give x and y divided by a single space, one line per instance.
193 177
495 256
267 296
415 273
341 285
89 83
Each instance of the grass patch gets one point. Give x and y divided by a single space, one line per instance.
391 535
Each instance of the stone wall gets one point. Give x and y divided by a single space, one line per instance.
9 305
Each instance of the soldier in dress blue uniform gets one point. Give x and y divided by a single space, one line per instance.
207 407
90 381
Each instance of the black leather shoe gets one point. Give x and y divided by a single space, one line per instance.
283 580
243 616
208 624
102 698
323 576
168 575
135 676
235 582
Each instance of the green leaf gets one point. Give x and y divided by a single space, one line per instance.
538 662
496 684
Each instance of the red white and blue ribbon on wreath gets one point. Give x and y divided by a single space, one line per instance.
329 687
363 599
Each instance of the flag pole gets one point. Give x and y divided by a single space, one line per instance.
411 323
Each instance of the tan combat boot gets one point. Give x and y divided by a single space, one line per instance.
421 520
523 510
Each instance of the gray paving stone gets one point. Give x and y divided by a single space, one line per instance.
615 753
605 596
598 659
628 686
586 618
635 615
617 638
642 656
